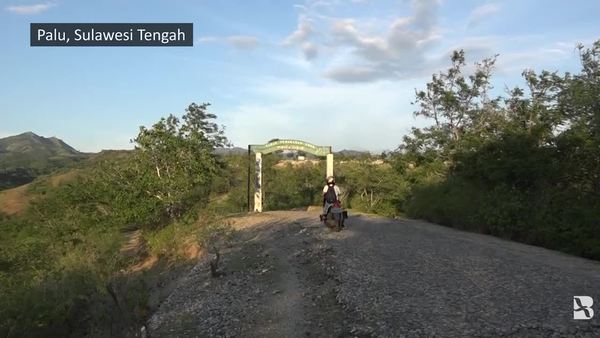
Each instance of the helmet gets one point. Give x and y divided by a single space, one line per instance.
330 179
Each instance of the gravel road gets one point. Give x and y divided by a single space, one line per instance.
288 276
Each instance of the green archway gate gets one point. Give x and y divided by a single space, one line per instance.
276 145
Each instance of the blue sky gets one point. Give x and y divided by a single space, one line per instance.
331 72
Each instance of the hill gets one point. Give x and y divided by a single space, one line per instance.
352 153
26 156
346 153
231 151
31 143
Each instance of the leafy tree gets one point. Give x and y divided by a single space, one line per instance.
175 158
291 186
458 104
60 260
525 167
579 145
372 187
536 113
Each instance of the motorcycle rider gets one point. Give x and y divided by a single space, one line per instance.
331 194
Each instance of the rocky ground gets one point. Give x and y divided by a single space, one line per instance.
288 276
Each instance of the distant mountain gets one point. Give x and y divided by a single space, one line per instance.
30 143
352 153
231 151
25 156
287 154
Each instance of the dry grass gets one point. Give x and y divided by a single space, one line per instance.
146 264
62 178
14 201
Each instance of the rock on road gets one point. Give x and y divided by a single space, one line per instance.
288 276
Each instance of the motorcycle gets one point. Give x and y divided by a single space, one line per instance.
334 216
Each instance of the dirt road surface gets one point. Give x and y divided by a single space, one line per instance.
288 276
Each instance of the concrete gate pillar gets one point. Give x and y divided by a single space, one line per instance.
329 164
258 183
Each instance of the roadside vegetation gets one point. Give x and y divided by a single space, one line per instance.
63 270
524 166
26 156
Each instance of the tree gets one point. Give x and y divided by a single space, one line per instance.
579 145
525 167
175 158
457 104
536 113
372 187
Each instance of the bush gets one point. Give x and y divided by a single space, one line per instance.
60 260
525 167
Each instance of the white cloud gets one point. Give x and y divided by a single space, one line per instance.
29 9
482 12
369 116
301 34
426 13
359 50
310 50
517 53
357 73
399 52
364 115
243 42
301 37
370 49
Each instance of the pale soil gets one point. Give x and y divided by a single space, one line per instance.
288 276
14 201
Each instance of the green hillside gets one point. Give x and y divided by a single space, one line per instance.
26 156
